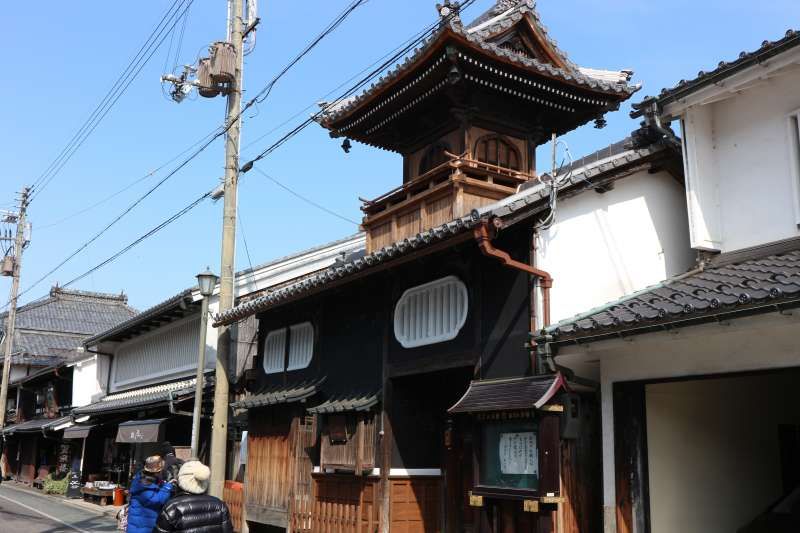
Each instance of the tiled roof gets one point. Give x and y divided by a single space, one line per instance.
280 394
751 280
69 311
511 394
54 327
348 402
145 396
723 70
170 303
498 18
36 425
33 347
516 207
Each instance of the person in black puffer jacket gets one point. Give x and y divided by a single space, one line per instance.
191 510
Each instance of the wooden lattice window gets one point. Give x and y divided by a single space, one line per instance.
434 156
348 442
496 150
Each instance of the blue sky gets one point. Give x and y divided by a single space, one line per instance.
61 60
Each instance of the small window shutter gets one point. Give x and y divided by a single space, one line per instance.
301 345
431 313
337 429
274 350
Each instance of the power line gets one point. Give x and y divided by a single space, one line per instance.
264 93
122 190
249 165
243 234
259 97
214 135
402 51
120 86
117 84
305 199
126 211
150 233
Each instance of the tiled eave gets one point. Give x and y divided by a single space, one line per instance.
767 279
510 394
723 71
156 314
368 101
347 403
280 394
152 396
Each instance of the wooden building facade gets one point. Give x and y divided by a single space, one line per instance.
398 390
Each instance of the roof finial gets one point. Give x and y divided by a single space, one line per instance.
449 11
505 5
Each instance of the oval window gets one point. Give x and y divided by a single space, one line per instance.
431 313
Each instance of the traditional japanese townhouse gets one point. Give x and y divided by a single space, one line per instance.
397 391
32 447
135 385
47 337
699 372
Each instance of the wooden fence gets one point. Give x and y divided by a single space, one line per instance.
342 503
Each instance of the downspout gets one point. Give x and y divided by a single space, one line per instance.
483 234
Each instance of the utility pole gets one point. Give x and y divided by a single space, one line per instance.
219 424
19 243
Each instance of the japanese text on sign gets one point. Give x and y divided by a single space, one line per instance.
518 454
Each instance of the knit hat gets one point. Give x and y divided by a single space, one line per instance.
154 464
193 477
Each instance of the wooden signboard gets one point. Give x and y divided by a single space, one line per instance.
74 485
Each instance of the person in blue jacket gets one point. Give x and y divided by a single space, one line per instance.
148 494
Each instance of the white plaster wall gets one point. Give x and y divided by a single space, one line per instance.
741 182
604 246
713 451
89 380
753 159
166 353
761 342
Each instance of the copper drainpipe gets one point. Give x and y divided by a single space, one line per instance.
484 233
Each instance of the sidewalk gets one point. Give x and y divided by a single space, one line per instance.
108 510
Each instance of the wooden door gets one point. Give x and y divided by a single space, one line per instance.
300 503
415 505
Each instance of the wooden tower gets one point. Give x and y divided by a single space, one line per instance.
467 111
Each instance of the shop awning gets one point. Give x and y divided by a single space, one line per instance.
137 431
77 432
512 394
35 426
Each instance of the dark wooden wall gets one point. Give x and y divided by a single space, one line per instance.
630 458
355 348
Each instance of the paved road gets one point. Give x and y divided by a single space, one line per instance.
25 512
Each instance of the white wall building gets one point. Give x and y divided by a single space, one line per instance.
701 431
741 149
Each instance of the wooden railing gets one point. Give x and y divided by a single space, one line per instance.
456 162
233 496
341 503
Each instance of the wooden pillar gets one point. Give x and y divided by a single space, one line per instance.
387 437
630 458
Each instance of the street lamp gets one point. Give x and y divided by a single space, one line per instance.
206 281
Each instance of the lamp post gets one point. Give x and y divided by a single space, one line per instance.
207 281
